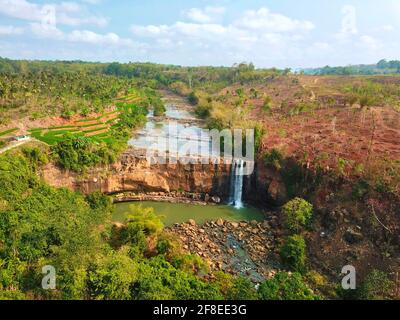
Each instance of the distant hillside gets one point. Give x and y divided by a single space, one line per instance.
382 67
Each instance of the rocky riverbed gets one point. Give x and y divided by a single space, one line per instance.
245 248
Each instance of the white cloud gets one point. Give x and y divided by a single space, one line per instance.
79 36
91 37
92 1
387 28
369 42
65 13
46 31
206 15
258 36
10 30
198 15
264 20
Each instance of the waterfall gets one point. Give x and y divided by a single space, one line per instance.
236 186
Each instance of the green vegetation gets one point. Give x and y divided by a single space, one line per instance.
267 104
7 132
273 158
78 153
41 225
285 286
382 67
293 253
193 98
376 286
298 214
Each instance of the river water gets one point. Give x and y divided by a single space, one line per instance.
171 213
181 124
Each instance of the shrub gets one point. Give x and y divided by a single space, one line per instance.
168 245
203 110
145 219
267 104
351 100
285 286
84 111
242 289
298 214
258 136
67 114
293 253
366 101
193 98
37 157
191 263
111 277
98 200
273 158
376 286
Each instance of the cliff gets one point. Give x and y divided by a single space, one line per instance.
133 173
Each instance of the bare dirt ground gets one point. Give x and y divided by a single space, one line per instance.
332 130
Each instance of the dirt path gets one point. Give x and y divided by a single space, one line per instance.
13 145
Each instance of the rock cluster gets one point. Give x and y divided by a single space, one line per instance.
235 247
172 197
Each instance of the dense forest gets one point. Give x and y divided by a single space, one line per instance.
41 225
381 68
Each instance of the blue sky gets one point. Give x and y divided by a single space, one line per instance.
280 33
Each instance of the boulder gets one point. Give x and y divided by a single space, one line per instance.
216 199
234 225
352 236
277 192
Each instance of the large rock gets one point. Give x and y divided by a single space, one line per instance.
353 237
277 192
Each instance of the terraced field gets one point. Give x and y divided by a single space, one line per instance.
97 128
8 132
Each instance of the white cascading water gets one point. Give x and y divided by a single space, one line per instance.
236 187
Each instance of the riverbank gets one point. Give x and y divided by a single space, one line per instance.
244 248
170 197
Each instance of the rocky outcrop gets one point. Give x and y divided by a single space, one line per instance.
134 173
265 187
246 248
171 197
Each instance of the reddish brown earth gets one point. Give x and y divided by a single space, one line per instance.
331 131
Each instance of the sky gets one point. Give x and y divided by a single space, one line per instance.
269 33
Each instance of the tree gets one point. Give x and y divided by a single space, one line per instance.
111 277
193 98
293 253
298 214
242 289
285 286
145 219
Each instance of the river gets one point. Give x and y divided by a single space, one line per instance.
181 121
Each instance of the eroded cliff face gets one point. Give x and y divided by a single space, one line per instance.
133 173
